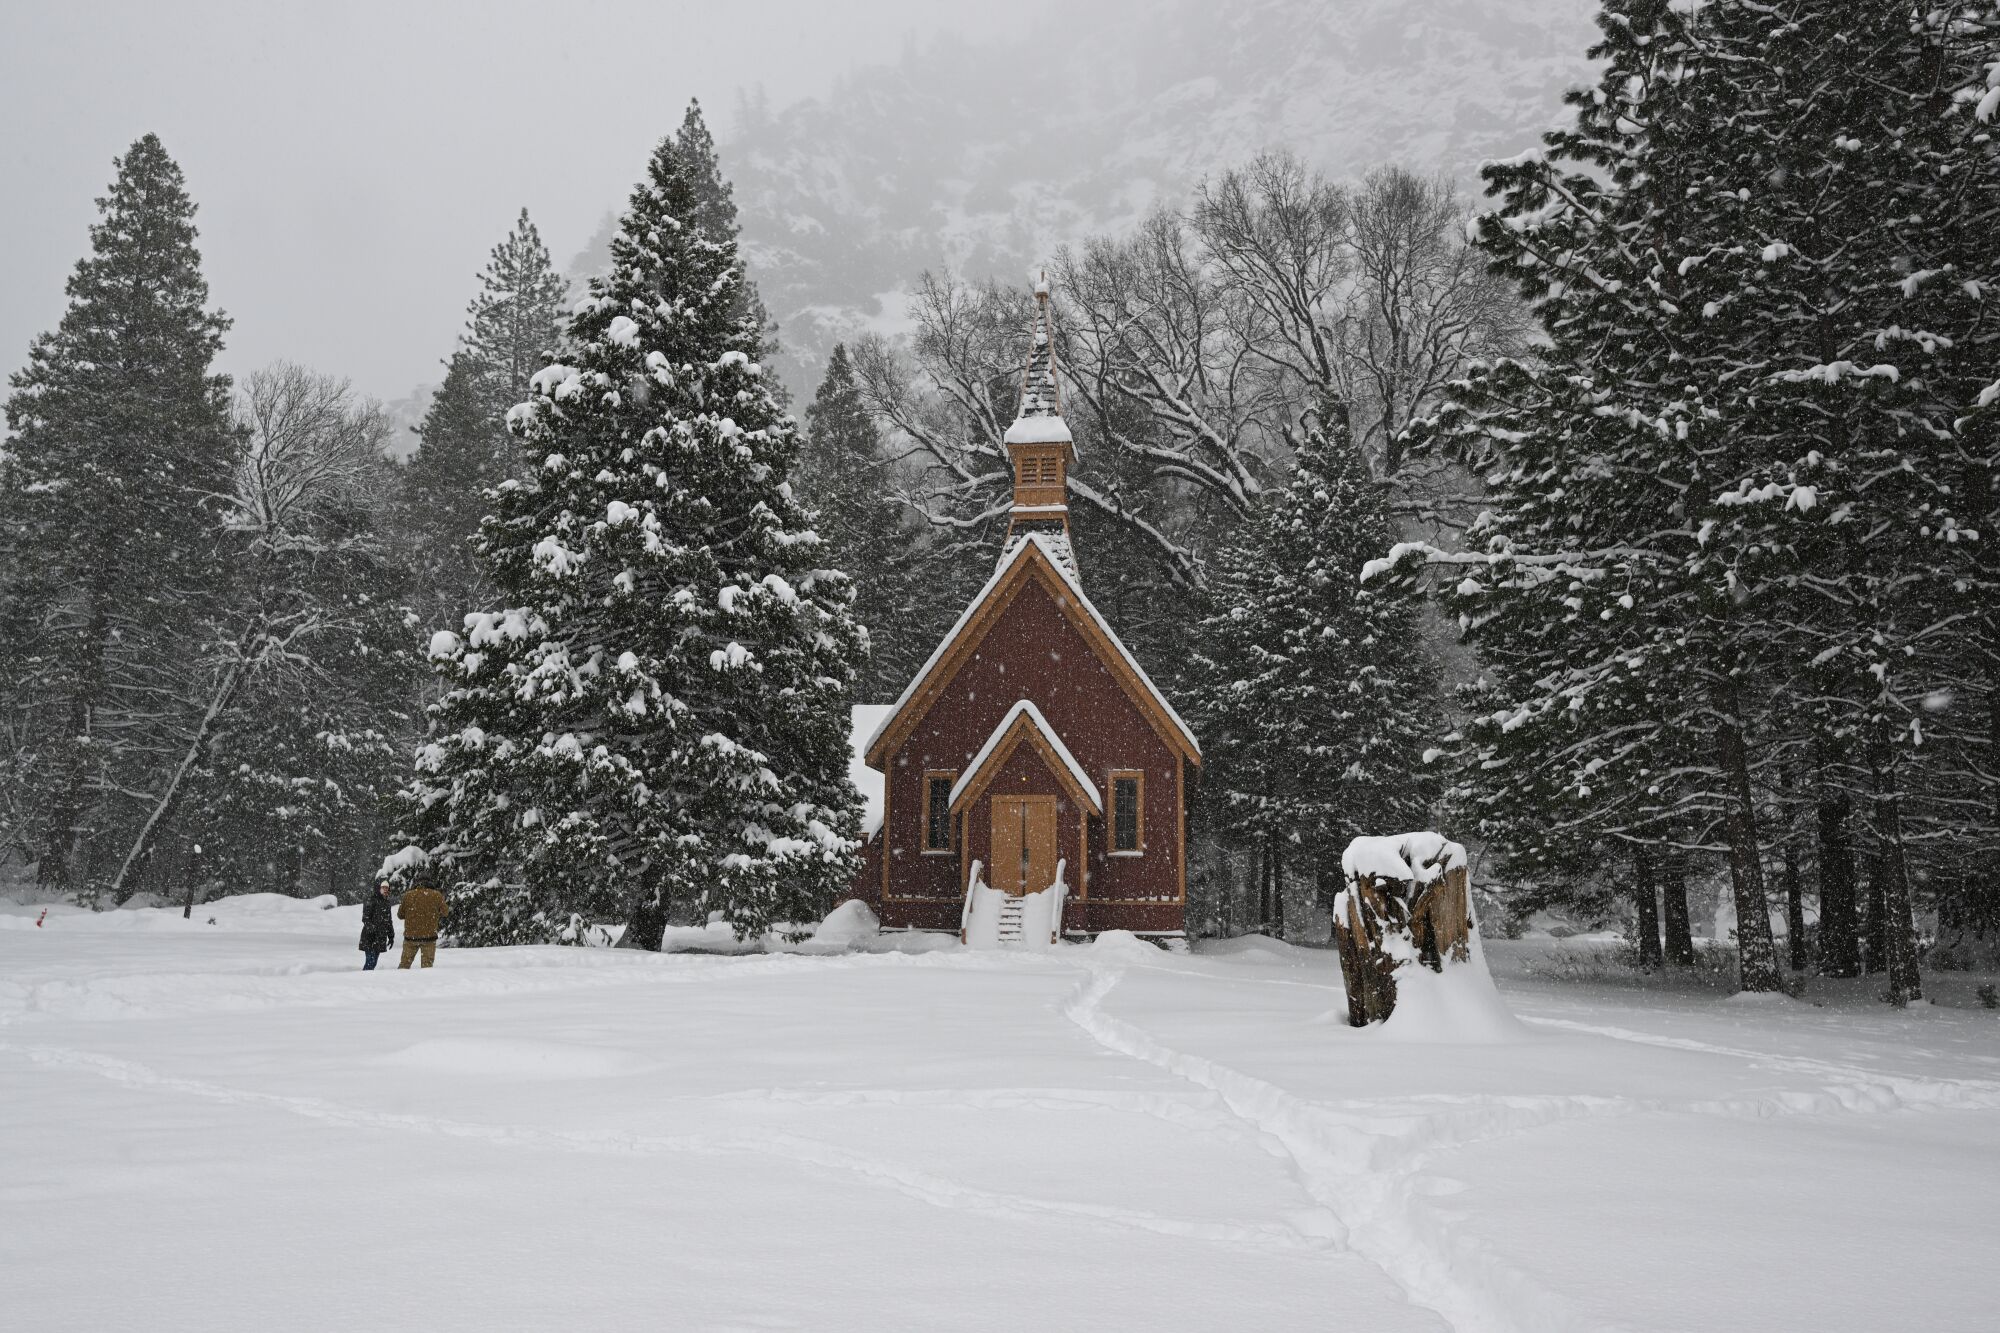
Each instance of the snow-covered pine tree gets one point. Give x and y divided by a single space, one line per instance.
513 322
463 453
657 714
114 480
465 450
1775 293
1573 758
1754 427
845 475
715 215
1933 431
1840 506
1607 628
1953 270
1315 693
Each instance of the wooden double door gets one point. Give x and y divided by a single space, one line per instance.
1024 844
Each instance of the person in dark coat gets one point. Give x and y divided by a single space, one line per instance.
378 928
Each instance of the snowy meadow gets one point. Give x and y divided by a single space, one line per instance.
222 1124
1230 666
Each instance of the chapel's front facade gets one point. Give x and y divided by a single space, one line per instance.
1032 745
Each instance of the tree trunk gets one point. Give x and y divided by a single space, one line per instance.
1278 891
1839 934
1266 856
1255 890
59 861
1899 927
1646 895
1366 969
1239 893
646 927
1795 908
1876 911
1674 897
1756 951
192 872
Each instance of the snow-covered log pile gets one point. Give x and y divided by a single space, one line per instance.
1405 900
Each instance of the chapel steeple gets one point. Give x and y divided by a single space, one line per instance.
1039 445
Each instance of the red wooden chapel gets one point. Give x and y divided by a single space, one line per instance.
1032 737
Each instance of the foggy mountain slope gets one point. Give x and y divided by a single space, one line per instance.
985 157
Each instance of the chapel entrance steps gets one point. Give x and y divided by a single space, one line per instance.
1008 934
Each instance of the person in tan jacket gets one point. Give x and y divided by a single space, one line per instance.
422 910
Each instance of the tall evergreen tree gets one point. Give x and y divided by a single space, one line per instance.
1316 695
514 321
113 481
1729 505
464 449
657 713
845 476
463 453
715 214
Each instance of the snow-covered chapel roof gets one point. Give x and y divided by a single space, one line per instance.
1054 544
1028 718
1031 551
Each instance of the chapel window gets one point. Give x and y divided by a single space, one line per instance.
937 811
1128 829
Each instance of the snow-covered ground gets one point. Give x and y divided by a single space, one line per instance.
228 1126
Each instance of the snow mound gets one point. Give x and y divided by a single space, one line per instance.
493 1057
1459 1005
715 937
254 906
850 923
1260 949
1123 943
270 912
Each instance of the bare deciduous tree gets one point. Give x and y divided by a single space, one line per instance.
310 448
1194 348
1423 308
310 445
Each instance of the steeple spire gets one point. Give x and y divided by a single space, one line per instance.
1039 444
1041 395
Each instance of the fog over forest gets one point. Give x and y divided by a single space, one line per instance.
354 164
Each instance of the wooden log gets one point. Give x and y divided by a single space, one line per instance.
1453 916
1373 907
1441 921
1436 918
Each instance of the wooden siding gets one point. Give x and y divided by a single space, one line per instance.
1030 569
1031 649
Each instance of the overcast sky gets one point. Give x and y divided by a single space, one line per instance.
353 163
